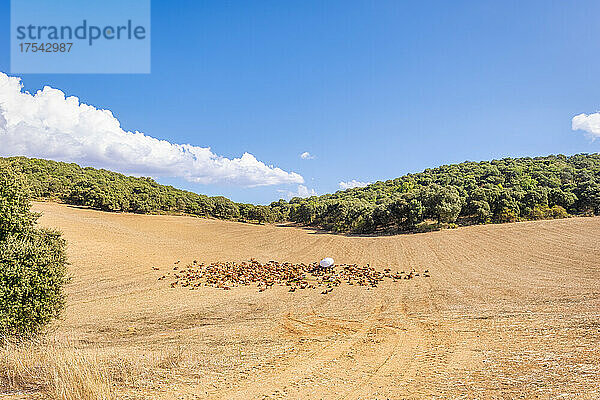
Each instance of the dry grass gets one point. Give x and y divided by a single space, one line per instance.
54 372
60 370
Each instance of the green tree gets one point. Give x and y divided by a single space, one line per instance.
224 208
481 211
406 212
15 216
261 214
562 198
444 203
32 263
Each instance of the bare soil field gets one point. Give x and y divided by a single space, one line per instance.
510 311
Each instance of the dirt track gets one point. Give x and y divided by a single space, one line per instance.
510 311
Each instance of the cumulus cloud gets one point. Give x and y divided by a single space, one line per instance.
306 156
352 184
301 191
590 123
49 125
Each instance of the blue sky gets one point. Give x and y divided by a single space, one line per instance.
373 90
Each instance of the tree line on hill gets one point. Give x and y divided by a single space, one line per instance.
110 191
506 190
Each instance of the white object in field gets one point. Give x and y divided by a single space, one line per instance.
326 262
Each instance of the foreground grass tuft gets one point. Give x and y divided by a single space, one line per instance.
59 374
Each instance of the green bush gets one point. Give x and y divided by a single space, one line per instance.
539 212
507 215
545 212
32 277
558 212
32 263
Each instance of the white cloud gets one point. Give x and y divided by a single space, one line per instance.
301 191
352 184
48 125
306 156
589 123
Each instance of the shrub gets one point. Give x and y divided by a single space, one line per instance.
32 276
539 212
558 212
545 212
508 215
32 263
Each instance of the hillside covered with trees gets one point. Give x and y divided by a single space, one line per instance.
110 191
497 191
505 190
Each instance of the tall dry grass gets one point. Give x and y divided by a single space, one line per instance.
54 373
57 368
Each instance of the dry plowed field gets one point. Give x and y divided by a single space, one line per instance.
510 311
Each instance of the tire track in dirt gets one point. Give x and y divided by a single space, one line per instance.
401 364
374 342
301 364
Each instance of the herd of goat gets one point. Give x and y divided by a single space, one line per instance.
225 275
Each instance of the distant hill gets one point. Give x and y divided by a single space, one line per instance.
506 190
468 193
111 191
